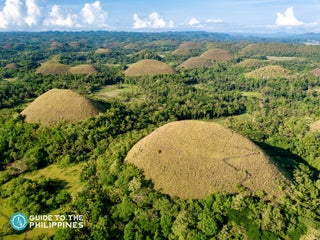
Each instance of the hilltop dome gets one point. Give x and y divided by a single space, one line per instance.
268 72
57 104
196 62
83 69
149 67
316 72
12 66
53 67
219 55
315 126
192 159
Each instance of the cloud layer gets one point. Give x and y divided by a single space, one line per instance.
288 19
38 15
153 20
210 23
28 14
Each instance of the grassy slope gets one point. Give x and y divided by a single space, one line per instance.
70 174
149 67
191 159
57 104
268 72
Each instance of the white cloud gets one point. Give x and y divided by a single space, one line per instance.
157 21
11 14
60 18
210 20
93 14
152 21
33 13
139 23
193 21
171 24
288 19
29 14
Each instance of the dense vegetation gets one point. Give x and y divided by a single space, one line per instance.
115 199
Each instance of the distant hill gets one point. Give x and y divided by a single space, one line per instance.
102 51
196 62
207 58
268 72
57 104
316 72
53 66
251 64
191 159
280 50
149 67
56 45
315 126
182 52
219 55
12 66
191 45
83 69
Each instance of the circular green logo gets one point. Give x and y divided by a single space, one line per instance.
19 221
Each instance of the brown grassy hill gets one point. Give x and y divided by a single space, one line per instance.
12 66
251 64
217 55
83 69
268 72
74 44
149 67
102 51
196 62
182 52
132 46
53 66
190 45
191 159
57 104
316 72
280 50
315 126
56 46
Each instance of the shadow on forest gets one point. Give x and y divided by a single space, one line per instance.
286 161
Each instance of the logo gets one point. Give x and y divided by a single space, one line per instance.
19 221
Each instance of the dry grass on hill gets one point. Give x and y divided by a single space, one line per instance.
83 69
316 72
219 55
132 46
315 126
192 159
102 51
196 62
12 66
207 58
191 45
53 66
74 44
268 72
251 64
56 46
182 52
57 104
149 67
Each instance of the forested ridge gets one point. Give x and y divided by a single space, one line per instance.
116 200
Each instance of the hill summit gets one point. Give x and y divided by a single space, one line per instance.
192 159
57 104
149 67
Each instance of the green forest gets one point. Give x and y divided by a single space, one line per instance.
273 109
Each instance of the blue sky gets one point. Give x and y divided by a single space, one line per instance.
251 16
